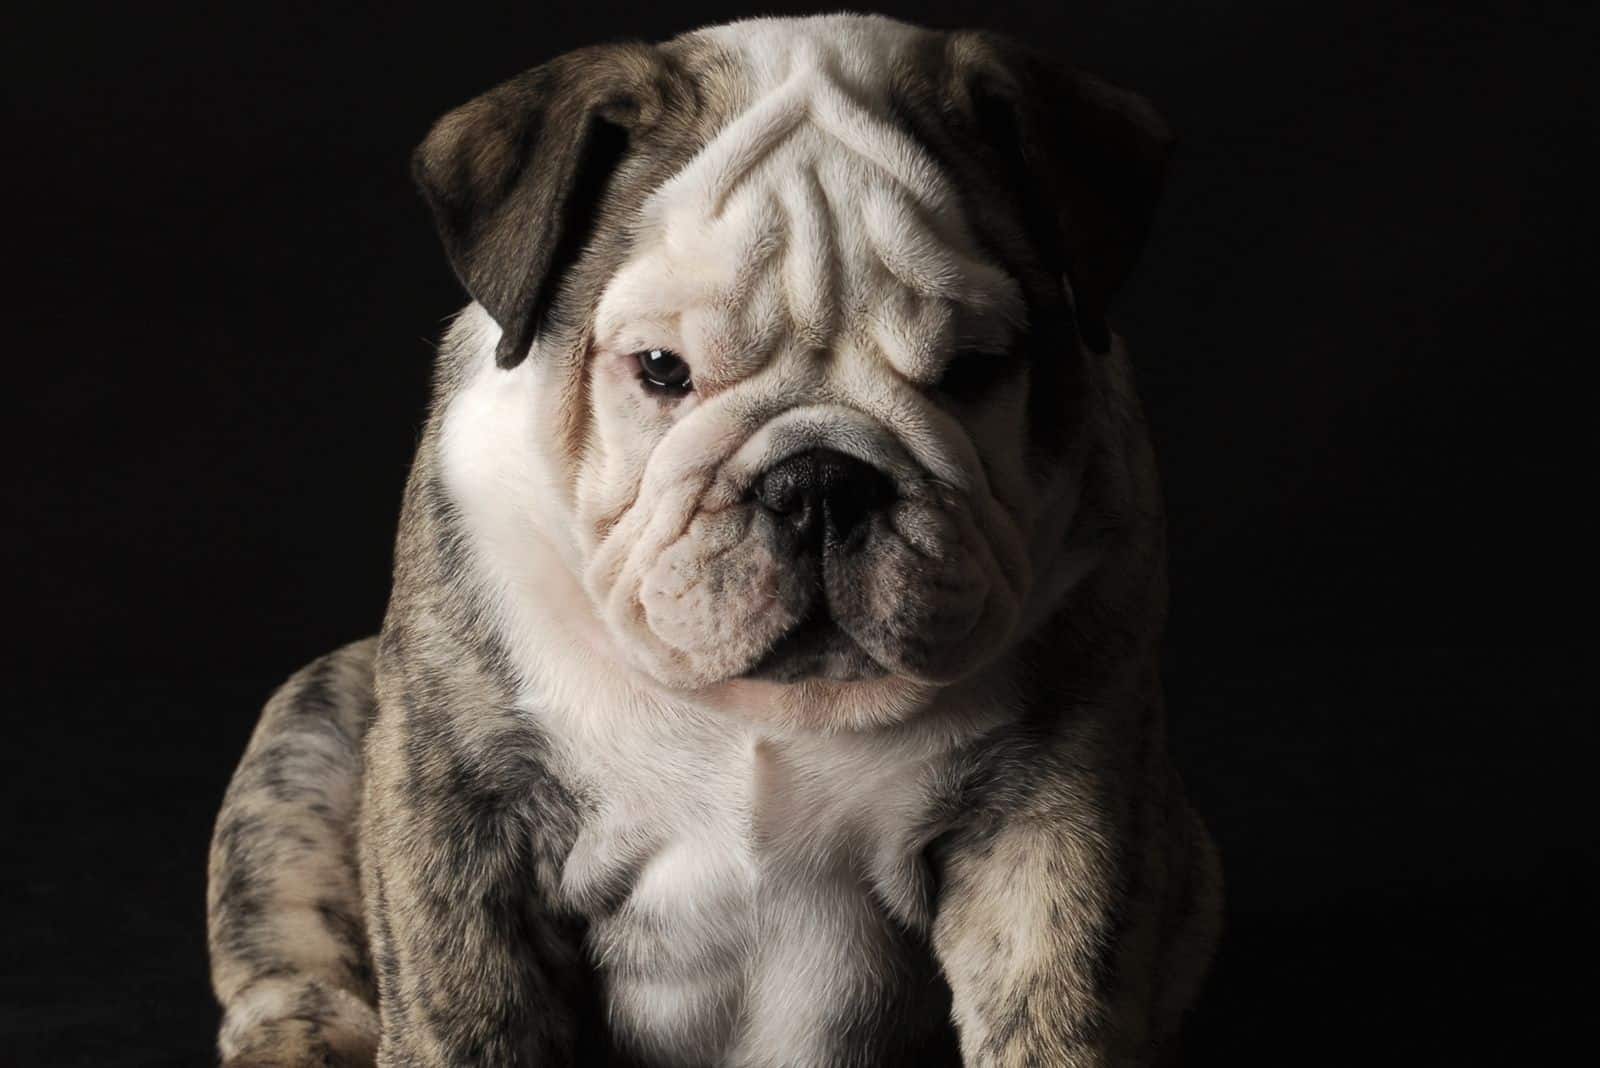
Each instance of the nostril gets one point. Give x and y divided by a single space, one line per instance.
786 488
851 492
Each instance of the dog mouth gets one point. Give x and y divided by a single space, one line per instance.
815 648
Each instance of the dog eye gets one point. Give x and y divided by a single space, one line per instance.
663 369
969 375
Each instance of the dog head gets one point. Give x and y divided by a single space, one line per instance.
797 316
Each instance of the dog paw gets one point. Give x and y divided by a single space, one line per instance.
303 1044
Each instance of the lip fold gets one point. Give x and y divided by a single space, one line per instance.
815 647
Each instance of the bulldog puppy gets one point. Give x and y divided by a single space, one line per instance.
770 676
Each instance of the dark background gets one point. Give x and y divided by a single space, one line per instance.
1361 330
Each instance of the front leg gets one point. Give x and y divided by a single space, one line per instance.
1023 932
1072 927
474 967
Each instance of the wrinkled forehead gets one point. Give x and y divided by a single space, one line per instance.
810 221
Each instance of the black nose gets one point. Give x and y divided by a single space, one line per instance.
824 493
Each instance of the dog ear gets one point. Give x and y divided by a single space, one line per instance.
515 177
1087 159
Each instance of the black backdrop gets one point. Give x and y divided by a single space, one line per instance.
1359 329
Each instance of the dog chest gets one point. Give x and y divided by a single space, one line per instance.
749 895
